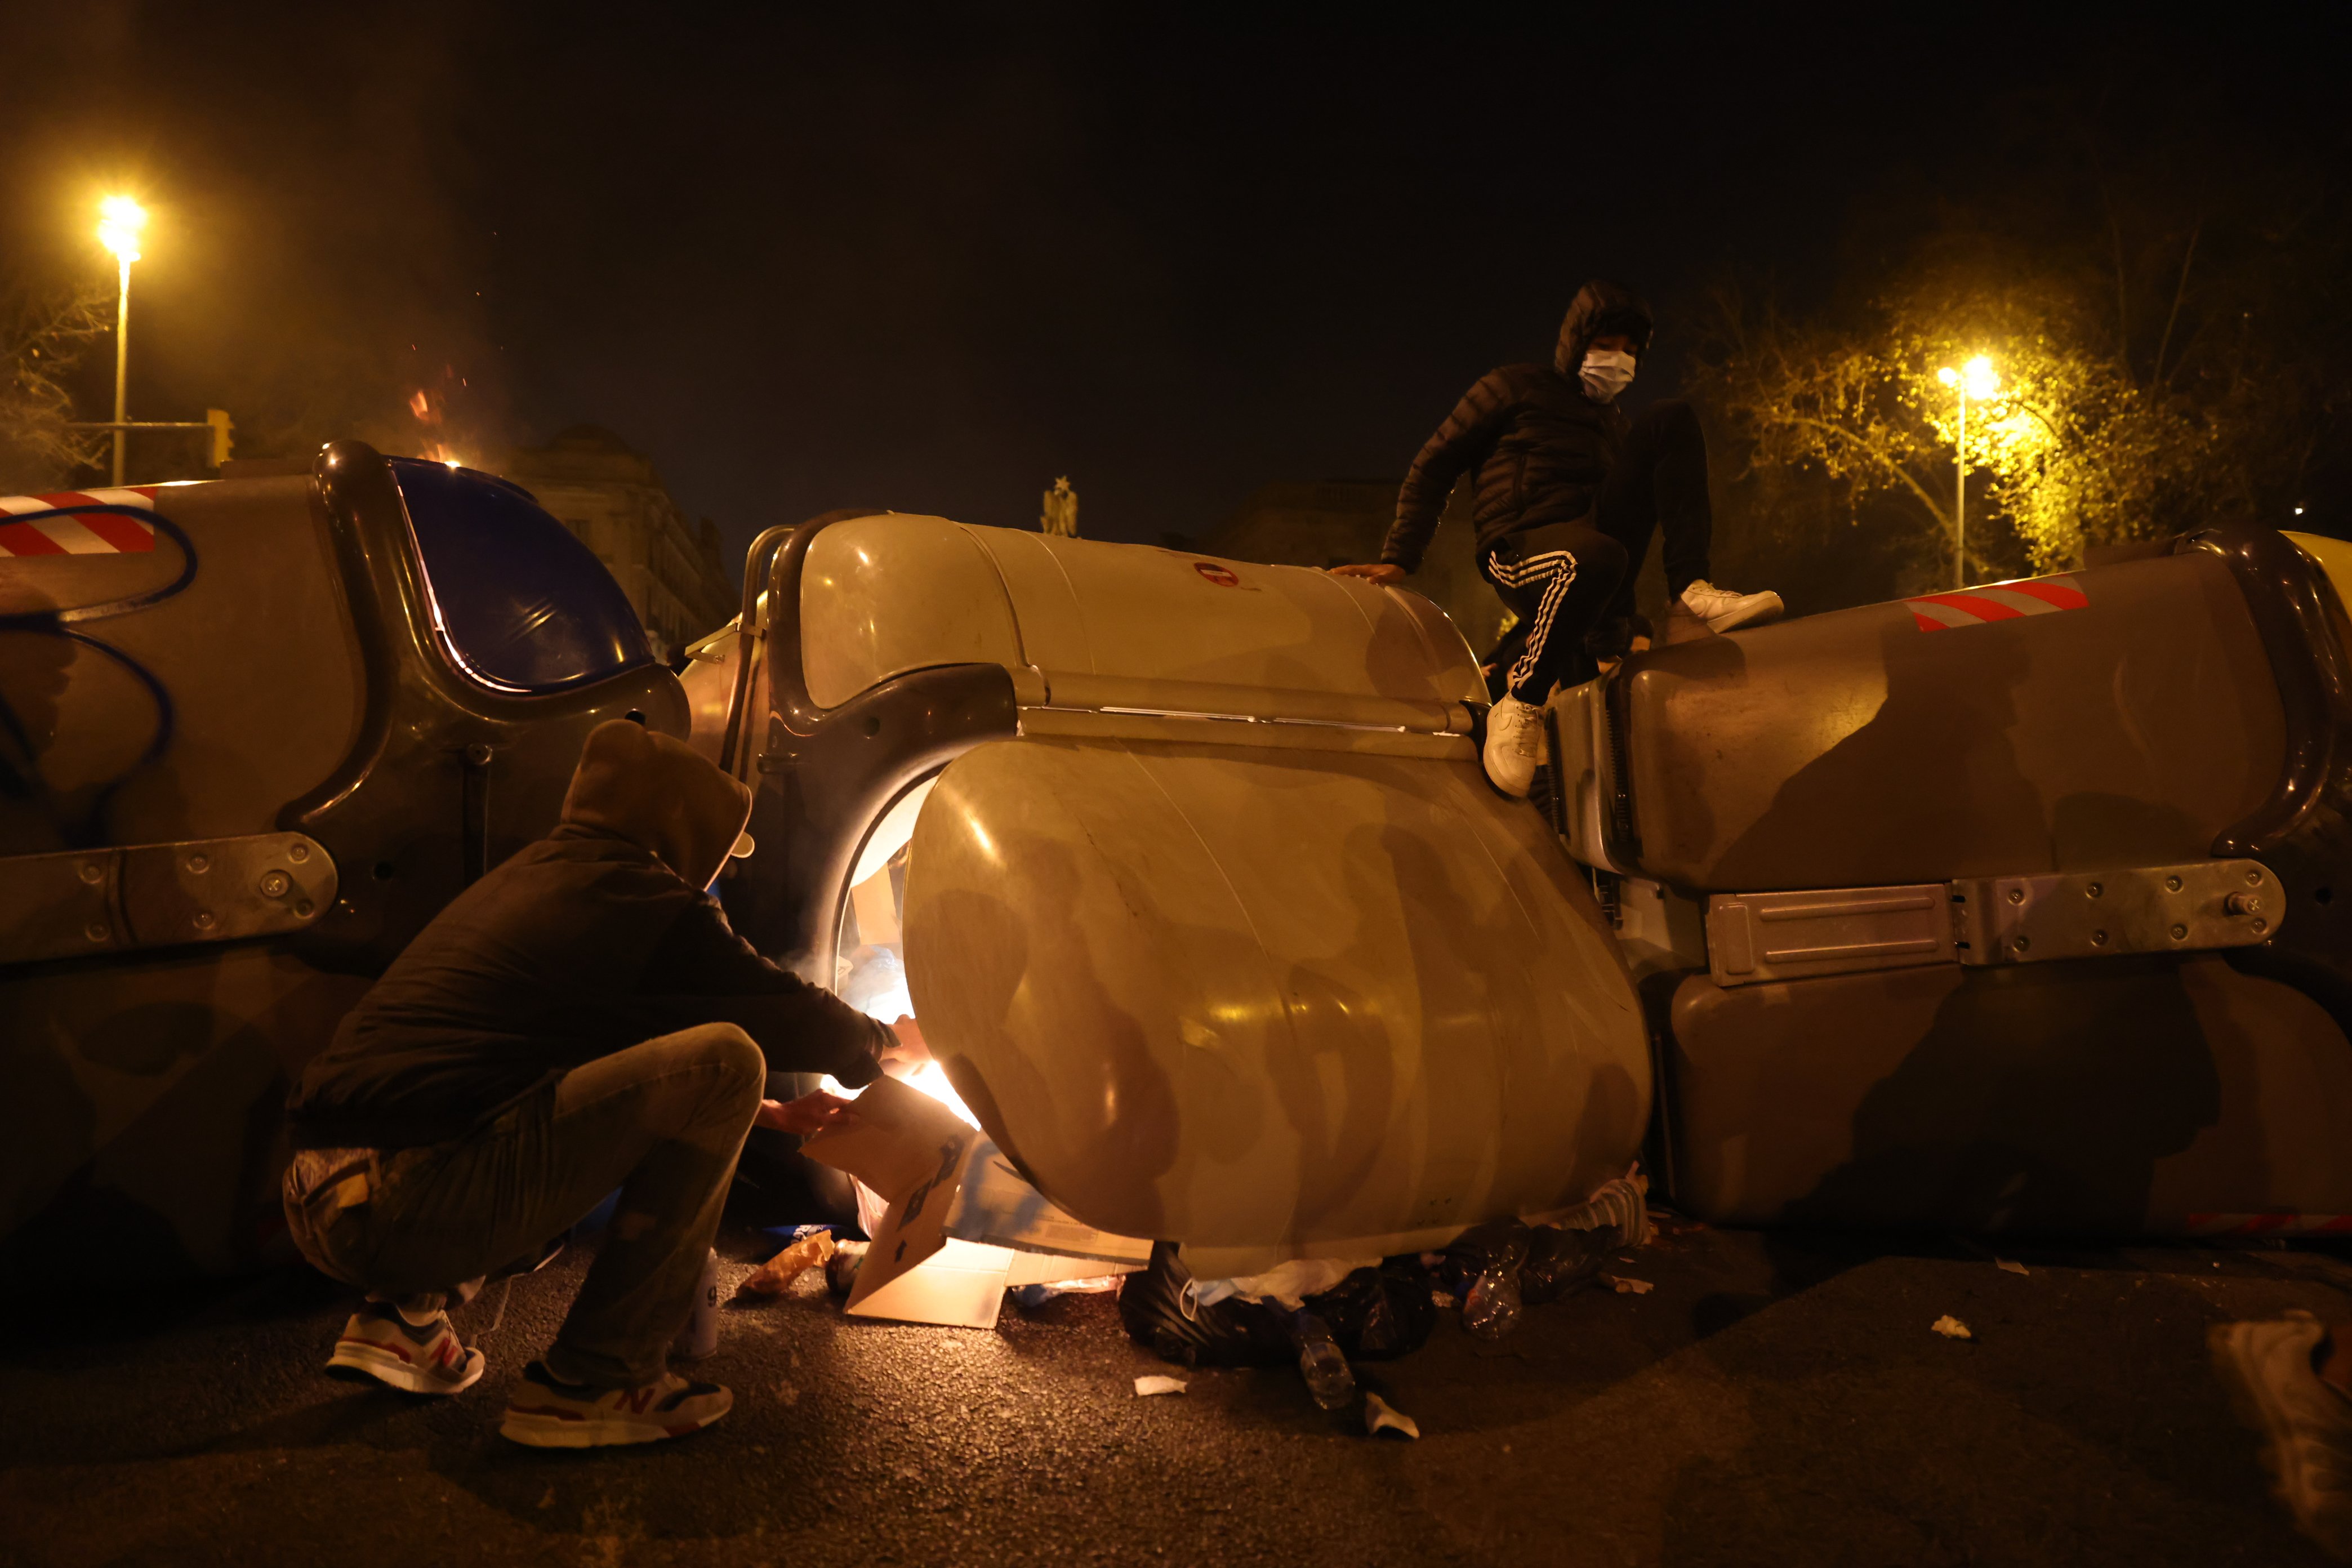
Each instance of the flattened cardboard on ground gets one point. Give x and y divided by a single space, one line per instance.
947 1248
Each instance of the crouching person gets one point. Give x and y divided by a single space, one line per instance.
581 1019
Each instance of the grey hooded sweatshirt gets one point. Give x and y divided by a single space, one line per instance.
595 938
1539 447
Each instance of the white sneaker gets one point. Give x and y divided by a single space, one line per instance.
1515 745
1722 609
2307 1425
380 1342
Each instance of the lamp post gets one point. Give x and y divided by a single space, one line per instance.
120 219
1976 379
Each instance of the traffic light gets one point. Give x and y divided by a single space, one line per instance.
218 419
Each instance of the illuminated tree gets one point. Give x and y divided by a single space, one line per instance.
2070 452
2167 316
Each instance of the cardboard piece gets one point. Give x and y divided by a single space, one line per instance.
962 1225
910 1149
995 1206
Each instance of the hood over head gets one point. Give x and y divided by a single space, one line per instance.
660 794
1599 309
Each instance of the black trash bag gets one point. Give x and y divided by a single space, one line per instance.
1230 1333
1560 1260
1376 1314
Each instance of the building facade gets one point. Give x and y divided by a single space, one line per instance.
673 569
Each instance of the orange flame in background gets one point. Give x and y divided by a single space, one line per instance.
429 412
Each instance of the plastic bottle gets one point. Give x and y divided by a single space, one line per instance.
1322 1364
1491 1310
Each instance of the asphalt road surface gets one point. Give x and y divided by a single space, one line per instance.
1775 1399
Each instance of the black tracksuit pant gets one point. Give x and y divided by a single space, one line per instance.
1564 577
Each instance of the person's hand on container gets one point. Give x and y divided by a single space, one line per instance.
1380 572
911 1051
808 1115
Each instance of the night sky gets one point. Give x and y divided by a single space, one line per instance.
807 262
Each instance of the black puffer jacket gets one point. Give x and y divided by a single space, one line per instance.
1540 448
595 937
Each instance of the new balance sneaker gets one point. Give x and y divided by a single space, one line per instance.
1721 610
547 1413
1515 745
381 1342
2305 1423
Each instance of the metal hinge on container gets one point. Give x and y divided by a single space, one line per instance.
160 895
1982 921
2090 914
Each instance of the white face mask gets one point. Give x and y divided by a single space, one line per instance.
1605 373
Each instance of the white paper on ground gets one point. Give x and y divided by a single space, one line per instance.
1380 1416
1146 1386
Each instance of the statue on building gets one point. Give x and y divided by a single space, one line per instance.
1061 514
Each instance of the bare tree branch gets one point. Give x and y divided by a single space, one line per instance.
2180 291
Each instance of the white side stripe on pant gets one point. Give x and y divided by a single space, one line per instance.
1559 567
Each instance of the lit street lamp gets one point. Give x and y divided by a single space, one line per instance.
119 221
1974 379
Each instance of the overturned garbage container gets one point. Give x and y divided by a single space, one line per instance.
1189 870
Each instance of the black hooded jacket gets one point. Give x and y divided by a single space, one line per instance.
594 939
1539 447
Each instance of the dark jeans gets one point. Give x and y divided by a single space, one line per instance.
1586 567
663 1122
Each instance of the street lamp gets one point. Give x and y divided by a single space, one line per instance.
1974 379
120 219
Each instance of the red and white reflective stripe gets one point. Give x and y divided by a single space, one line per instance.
2276 1223
87 533
1999 601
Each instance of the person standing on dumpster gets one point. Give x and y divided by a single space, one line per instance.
580 1019
1568 492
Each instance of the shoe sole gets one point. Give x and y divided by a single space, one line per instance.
356 1363
1682 626
1499 787
1753 614
536 1430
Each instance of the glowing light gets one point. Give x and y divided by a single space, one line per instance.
1977 375
119 221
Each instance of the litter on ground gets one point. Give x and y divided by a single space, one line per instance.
774 1277
1147 1386
1951 1328
1626 1287
2010 1264
1380 1417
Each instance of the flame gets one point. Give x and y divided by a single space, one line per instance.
932 1080
420 404
925 1077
